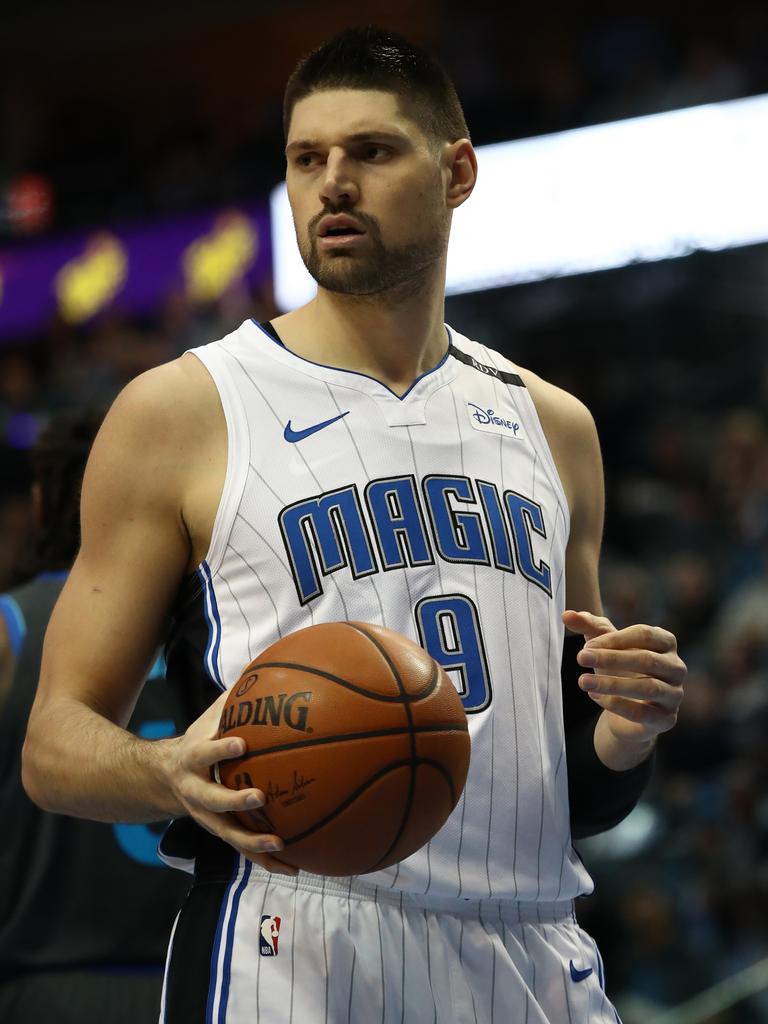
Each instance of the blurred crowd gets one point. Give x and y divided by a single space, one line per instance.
679 389
685 906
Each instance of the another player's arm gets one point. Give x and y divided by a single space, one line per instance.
78 757
638 675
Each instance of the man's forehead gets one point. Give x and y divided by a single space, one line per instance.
348 112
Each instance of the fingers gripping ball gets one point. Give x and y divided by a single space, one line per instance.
358 740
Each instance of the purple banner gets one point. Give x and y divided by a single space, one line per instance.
132 268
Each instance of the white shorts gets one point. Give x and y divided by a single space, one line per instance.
264 949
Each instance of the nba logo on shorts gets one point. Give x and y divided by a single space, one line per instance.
270 930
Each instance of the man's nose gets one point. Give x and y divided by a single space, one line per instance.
338 185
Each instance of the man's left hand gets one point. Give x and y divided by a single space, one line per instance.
638 678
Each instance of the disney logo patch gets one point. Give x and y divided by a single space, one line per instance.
491 422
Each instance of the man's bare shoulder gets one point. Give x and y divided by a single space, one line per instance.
175 394
159 432
163 413
558 409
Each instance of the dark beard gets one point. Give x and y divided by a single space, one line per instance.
379 270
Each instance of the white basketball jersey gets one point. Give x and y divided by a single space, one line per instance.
438 514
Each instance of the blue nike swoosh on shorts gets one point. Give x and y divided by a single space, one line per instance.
298 435
576 974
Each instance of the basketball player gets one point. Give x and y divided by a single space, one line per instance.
358 459
85 908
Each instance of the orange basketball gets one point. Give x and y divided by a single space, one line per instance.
358 740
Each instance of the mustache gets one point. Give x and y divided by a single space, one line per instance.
368 221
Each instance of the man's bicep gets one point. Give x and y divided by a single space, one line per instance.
101 640
113 609
587 517
572 436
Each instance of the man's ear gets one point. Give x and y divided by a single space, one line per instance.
461 163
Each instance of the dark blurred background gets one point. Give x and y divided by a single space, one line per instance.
113 116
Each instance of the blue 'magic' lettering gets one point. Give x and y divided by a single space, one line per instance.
526 515
329 532
468 520
458 535
398 522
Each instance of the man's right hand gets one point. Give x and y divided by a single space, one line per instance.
190 760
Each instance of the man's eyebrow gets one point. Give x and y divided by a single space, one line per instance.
370 135
302 144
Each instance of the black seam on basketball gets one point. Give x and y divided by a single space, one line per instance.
409 714
415 763
382 651
345 737
402 763
446 775
444 772
399 698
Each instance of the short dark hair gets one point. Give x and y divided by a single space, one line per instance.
370 58
58 462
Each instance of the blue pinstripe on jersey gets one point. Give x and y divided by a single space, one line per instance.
230 941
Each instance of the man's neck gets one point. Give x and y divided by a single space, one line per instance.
393 340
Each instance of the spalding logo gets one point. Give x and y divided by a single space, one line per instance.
289 709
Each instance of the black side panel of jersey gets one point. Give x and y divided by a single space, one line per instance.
193 689
73 892
189 969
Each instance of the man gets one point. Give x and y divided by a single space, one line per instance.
85 908
266 482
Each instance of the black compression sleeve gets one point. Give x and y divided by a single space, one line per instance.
599 797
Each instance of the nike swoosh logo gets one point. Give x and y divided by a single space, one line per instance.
576 974
298 435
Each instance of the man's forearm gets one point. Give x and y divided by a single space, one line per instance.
77 762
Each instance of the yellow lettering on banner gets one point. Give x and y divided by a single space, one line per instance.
88 283
214 262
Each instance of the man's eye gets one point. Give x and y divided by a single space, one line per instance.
375 152
305 159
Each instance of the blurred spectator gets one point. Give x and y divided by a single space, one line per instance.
86 908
